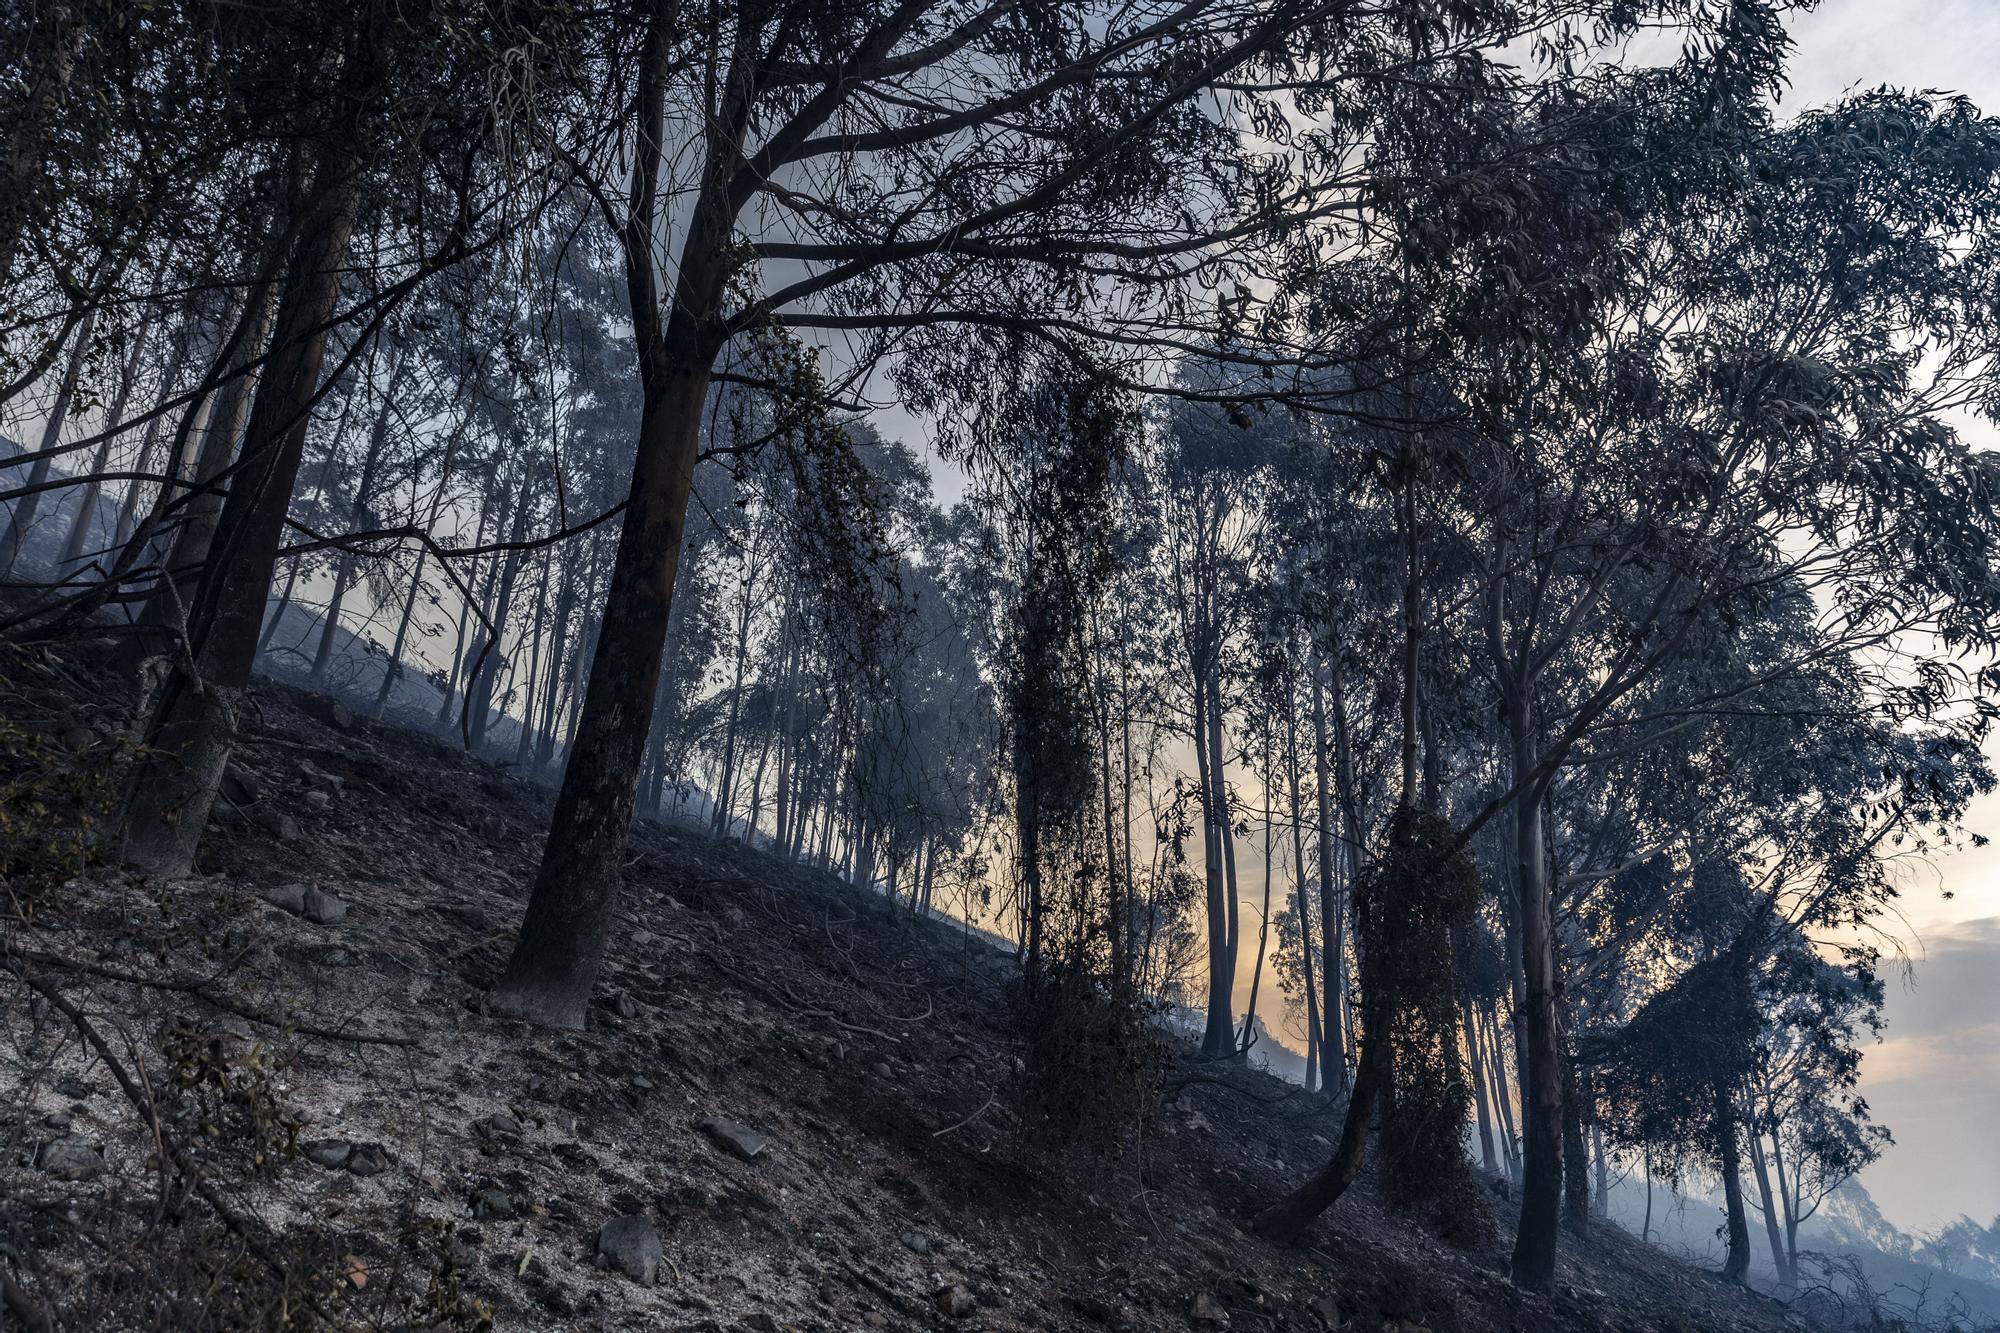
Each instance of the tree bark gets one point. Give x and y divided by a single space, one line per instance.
192 724
1476 1058
1285 1222
1315 1038
1736 1266
357 513
1219 1033
86 508
1534 1259
21 523
185 564
1773 1233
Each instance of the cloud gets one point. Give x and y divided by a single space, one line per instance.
1935 1082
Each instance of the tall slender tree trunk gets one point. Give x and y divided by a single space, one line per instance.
1534 1260
1787 1200
357 514
1476 1056
559 636
1503 1098
128 506
1233 899
525 743
1333 1051
1773 1230
86 510
1315 1038
186 562
1729 1157
1264 921
1576 1157
725 789
1219 1033
1646 1227
21 523
491 657
191 724
490 499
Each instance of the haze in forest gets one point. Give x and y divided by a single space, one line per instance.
1446 553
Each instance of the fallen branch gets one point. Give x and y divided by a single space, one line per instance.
969 1119
237 1224
200 991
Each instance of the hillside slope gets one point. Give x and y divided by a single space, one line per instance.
474 1161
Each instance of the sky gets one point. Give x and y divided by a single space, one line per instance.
1935 1079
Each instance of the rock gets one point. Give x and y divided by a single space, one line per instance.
623 1005
317 802
329 1153
289 897
322 908
72 1087
471 917
1097 1311
499 1125
955 1301
1239 1290
240 786
1327 1309
70 1159
734 1138
316 776
1207 1310
758 1321
915 1242
630 1245
58 1120
338 715
368 1159
492 1204
279 825
642 1083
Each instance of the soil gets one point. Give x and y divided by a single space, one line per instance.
876 1055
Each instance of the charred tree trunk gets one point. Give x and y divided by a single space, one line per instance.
480 687
1534 1260
1286 1222
86 508
1773 1231
191 725
21 523
1729 1161
1219 1033
357 514
1475 1053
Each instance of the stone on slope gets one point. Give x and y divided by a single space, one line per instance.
368 1159
630 1245
955 1301
70 1159
735 1139
329 1153
322 908
288 897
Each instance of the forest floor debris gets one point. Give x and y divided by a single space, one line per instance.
791 1110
